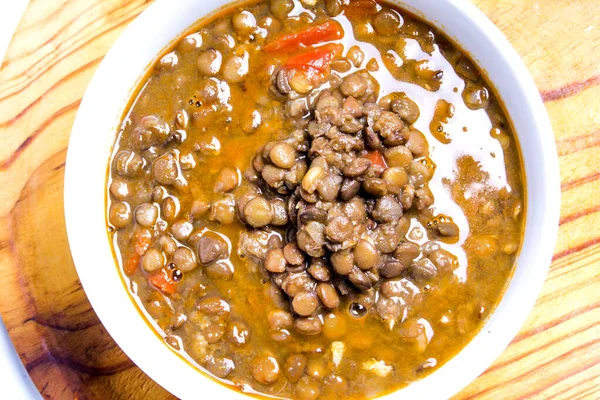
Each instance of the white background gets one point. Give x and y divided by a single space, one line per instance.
15 381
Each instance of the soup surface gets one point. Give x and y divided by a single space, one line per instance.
315 199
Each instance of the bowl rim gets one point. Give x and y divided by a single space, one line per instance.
105 99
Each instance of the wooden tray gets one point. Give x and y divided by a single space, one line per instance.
66 350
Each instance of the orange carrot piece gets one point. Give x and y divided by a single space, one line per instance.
162 282
330 30
132 264
377 161
316 61
143 239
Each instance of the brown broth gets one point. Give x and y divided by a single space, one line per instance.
478 182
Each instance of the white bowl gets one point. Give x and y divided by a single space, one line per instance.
94 133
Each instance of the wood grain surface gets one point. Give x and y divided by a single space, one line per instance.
55 51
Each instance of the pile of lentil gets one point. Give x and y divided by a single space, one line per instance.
339 187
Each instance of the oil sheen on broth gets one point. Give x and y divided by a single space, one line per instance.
316 199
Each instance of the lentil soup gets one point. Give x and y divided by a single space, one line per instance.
316 199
